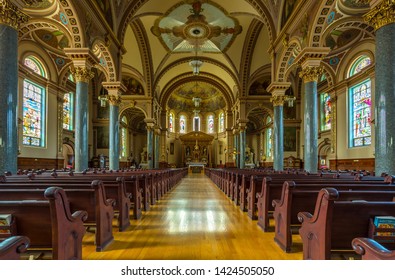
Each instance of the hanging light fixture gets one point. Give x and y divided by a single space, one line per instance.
103 97
196 63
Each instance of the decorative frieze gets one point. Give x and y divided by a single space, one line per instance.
10 14
381 15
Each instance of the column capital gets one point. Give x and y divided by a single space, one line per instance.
82 74
311 73
278 100
11 15
311 56
115 91
381 14
114 100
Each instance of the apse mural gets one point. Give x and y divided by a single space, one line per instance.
259 87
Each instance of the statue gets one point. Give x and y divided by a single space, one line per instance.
144 155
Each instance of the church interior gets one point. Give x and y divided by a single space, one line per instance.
197 85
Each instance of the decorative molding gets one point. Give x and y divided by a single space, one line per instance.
10 14
381 15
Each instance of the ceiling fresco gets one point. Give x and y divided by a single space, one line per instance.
54 39
259 87
339 39
192 25
133 86
211 98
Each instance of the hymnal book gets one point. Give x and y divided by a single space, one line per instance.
5 220
385 222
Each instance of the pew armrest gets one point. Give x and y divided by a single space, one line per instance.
304 217
80 215
370 249
276 202
11 247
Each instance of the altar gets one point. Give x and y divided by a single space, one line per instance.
196 167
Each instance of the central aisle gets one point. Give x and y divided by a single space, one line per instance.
194 221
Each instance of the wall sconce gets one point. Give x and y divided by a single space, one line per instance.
290 100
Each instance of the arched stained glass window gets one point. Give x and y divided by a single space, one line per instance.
210 124
34 64
359 64
183 124
360 114
68 111
326 111
196 123
269 138
221 121
33 114
171 122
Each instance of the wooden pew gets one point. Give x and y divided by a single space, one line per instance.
99 209
335 223
370 249
298 198
272 189
12 247
115 188
49 224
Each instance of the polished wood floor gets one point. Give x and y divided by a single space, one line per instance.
195 221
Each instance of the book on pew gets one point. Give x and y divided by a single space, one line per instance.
5 222
385 222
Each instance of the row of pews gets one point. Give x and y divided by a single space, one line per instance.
331 211
52 210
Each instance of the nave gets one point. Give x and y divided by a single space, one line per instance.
194 221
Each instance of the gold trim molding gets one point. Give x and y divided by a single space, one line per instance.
10 14
82 74
311 73
381 15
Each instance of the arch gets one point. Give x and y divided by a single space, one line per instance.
358 64
106 61
203 77
315 39
287 59
36 65
71 17
68 154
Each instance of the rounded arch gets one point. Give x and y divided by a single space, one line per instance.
364 48
70 16
329 74
287 59
348 23
203 77
186 60
106 61
315 38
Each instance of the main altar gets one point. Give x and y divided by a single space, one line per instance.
197 147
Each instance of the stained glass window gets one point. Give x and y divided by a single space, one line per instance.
124 138
68 111
359 64
196 123
171 122
183 124
326 110
221 122
269 138
360 114
35 65
33 114
210 124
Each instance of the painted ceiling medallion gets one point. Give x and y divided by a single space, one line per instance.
354 7
196 25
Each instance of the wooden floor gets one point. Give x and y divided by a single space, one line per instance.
195 221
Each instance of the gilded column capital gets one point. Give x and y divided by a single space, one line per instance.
278 100
311 73
114 100
82 74
381 15
10 14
